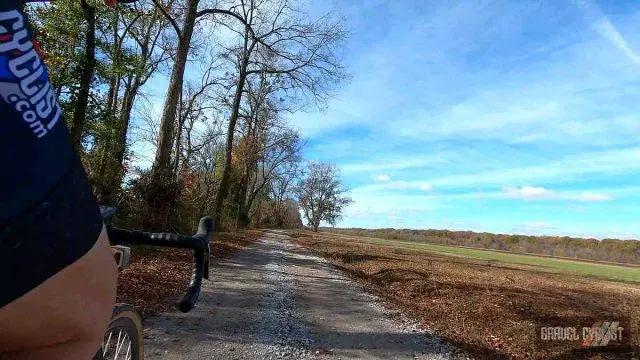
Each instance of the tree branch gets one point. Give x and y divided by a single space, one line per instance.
168 17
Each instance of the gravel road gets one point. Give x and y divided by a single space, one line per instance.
277 300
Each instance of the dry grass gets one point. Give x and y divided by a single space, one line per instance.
490 309
157 278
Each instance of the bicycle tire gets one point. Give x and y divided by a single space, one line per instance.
125 325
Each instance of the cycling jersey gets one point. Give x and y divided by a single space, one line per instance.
48 215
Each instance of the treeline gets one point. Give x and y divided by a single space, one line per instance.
230 72
612 250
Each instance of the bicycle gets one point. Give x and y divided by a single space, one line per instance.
125 321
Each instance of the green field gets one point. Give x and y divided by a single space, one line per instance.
604 271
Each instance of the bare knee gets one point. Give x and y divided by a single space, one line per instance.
65 317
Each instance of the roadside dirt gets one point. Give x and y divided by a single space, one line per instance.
157 277
277 300
492 310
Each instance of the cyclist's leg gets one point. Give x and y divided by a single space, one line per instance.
66 316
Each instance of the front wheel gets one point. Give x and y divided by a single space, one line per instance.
123 339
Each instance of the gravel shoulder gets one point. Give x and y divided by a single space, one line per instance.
277 300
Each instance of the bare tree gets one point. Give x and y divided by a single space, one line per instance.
321 195
279 43
265 144
183 16
196 108
281 149
198 170
281 191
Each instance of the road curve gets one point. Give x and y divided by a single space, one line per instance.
277 300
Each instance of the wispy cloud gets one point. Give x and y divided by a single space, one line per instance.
613 162
606 29
591 196
529 193
380 203
395 163
500 114
382 178
385 183
411 185
540 193
513 172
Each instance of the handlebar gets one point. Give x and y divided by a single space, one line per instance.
199 243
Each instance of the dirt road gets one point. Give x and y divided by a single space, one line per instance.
277 300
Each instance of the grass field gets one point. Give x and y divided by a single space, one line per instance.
488 303
605 271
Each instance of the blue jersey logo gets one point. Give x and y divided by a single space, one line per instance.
23 78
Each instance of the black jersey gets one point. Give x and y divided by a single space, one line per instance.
48 215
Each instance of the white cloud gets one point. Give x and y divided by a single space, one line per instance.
425 187
407 185
591 196
382 178
529 193
540 193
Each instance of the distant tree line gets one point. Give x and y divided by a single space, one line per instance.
219 141
612 250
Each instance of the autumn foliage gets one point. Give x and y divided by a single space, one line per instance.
610 250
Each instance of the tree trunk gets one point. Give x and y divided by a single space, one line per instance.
182 118
226 172
125 117
100 177
161 198
242 217
279 213
82 100
118 147
162 163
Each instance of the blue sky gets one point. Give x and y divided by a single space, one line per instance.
500 116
